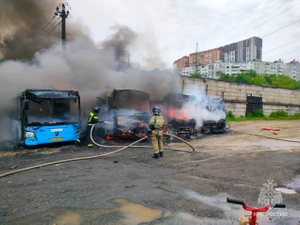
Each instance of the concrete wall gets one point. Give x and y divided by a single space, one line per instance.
235 95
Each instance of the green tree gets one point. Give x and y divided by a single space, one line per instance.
243 78
226 77
284 82
259 80
220 74
251 73
196 75
270 78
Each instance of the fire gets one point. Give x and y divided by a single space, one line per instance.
178 114
171 113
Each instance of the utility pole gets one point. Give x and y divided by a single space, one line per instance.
63 13
196 59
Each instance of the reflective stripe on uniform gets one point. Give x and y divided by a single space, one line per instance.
91 119
157 122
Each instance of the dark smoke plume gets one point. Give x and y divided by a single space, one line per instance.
24 30
34 61
119 42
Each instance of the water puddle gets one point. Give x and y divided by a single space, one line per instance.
135 213
291 186
233 212
286 191
128 212
294 183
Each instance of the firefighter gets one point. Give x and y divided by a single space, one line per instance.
155 132
93 118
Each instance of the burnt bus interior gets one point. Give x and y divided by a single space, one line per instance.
51 107
128 110
178 122
44 107
214 126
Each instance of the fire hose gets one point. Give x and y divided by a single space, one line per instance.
91 157
171 135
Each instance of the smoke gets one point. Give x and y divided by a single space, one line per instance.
32 60
203 108
119 42
24 29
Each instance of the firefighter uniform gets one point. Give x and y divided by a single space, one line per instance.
155 131
93 118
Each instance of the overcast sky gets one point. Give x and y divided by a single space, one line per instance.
170 29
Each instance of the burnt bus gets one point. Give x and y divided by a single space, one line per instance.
44 116
128 112
215 120
177 107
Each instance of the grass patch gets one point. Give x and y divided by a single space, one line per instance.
259 115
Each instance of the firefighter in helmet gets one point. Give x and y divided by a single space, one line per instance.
93 118
155 132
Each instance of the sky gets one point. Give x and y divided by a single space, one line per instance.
170 29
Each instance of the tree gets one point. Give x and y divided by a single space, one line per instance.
284 82
243 78
251 73
226 77
196 75
220 74
259 80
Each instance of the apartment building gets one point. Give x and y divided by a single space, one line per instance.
181 63
197 59
205 57
291 69
243 51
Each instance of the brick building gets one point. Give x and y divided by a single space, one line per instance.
205 57
181 63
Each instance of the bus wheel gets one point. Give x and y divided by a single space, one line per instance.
206 129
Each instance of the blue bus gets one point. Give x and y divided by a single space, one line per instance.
44 116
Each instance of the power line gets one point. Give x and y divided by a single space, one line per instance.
52 29
268 13
280 28
267 20
254 21
286 53
51 25
282 45
48 23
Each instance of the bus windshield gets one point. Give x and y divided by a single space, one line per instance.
52 111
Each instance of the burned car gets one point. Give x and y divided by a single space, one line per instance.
127 111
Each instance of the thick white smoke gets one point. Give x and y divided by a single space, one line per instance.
202 108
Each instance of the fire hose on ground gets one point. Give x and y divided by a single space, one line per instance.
167 148
96 156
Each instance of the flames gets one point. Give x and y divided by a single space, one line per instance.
177 114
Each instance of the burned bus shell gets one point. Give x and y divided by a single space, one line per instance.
177 120
129 112
45 116
216 107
